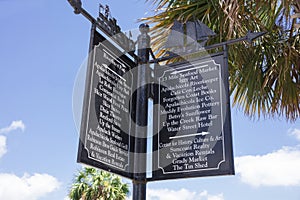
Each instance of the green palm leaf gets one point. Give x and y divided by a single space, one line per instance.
92 184
264 77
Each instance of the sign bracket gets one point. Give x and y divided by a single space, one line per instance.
104 24
250 37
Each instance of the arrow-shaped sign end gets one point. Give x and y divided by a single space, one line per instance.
252 36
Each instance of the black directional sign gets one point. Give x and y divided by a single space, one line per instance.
106 124
192 132
192 125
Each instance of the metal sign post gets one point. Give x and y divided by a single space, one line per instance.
141 114
192 127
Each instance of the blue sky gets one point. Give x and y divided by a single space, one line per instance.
42 46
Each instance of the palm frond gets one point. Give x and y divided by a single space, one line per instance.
264 78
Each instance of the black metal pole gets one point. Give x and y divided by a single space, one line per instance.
140 148
91 45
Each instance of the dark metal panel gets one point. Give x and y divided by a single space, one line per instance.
106 124
192 130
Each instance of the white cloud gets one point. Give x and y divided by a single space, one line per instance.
280 168
13 126
182 194
27 187
3 149
294 132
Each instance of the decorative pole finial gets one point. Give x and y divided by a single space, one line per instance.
143 41
144 28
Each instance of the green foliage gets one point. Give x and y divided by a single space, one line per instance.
264 76
93 184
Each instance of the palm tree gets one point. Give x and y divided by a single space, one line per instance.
93 184
265 76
